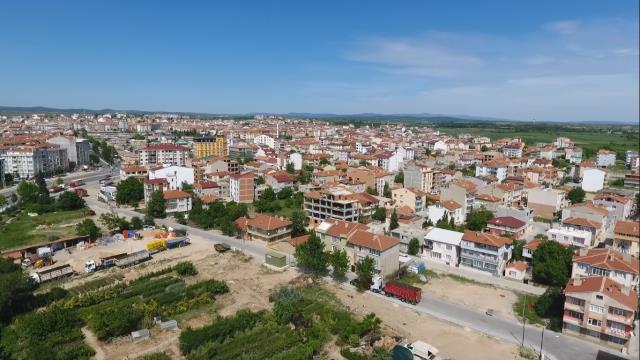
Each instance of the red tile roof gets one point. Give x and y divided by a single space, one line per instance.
299 240
486 238
582 222
175 194
628 228
604 286
608 259
266 222
507 221
518 265
451 205
369 240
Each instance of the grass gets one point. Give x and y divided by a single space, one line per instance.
529 312
23 229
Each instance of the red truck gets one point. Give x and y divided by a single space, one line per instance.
81 192
406 293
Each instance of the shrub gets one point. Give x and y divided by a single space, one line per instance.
186 268
154 356
116 320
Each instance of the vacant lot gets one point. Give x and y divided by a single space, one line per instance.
24 229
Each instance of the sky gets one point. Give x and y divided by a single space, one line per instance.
535 60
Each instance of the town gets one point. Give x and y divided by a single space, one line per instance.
159 235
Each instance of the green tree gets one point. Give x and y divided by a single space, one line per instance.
443 223
28 192
426 223
138 136
576 195
259 180
477 219
113 222
148 220
311 255
379 214
3 200
393 221
365 269
129 191
484 148
516 250
290 168
299 222
414 246
136 223
339 261
399 178
550 304
324 161
285 193
371 191
88 227
386 192
16 290
69 200
552 263
156 205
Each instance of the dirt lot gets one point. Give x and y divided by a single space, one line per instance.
452 341
484 297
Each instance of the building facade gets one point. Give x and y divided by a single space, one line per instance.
160 154
485 252
241 188
205 146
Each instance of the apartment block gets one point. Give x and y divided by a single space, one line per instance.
621 268
384 250
485 252
176 201
338 202
606 158
205 146
164 154
27 161
241 188
626 237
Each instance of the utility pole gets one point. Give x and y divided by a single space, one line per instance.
524 319
542 338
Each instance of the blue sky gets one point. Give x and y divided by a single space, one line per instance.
544 60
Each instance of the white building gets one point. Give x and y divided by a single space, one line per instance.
296 160
164 154
78 150
606 158
442 246
593 179
175 175
27 161
571 236
497 168
265 140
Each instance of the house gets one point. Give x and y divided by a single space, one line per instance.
593 179
175 175
626 237
454 211
176 201
410 197
278 180
268 228
241 188
334 233
384 250
587 216
545 203
600 310
516 270
621 205
571 236
513 151
621 268
507 225
442 246
418 177
606 158
485 252
203 188
139 172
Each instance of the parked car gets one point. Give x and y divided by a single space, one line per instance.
222 247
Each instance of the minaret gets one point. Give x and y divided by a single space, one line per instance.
278 129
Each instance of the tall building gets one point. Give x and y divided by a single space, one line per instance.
27 161
241 188
160 154
210 146
418 177
78 150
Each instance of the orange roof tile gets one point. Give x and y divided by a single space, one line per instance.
486 238
605 286
629 228
608 259
372 241
266 222
175 194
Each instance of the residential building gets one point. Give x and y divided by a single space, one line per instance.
632 159
516 270
25 162
507 225
513 151
136 171
334 233
621 268
545 203
496 168
204 188
241 188
606 158
384 250
78 150
407 232
338 202
2 172
176 201
442 246
206 146
268 228
373 177
414 199
175 175
154 185
278 180
571 236
418 177
626 237
621 206
593 179
600 310
160 154
485 252
266 140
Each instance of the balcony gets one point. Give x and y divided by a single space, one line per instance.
628 320
572 320
618 333
574 307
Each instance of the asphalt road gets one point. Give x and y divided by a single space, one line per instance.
556 345
87 176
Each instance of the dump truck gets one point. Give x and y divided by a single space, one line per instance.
133 258
404 292
177 242
155 246
102 263
51 274
81 192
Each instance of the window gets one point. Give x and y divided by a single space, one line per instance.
595 334
616 311
436 255
594 322
599 297
449 247
596 308
616 325
575 314
616 340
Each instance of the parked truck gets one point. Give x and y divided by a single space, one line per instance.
177 242
76 183
133 258
51 274
102 263
404 292
155 246
81 192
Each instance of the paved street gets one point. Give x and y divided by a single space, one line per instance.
556 345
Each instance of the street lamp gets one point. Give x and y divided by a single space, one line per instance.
524 319
545 323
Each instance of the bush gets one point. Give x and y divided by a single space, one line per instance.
115 320
154 356
186 268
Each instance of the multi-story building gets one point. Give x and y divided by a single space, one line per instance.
338 202
545 203
485 252
139 172
606 158
241 188
496 168
626 237
175 175
621 268
571 236
600 310
150 186
620 205
334 233
507 225
27 161
373 177
442 246
418 177
176 201
410 197
593 179
78 150
268 228
205 146
164 154
632 159
513 151
384 250
2 172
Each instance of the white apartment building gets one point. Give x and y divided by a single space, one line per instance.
78 150
175 175
265 140
164 154
571 236
513 151
606 158
497 168
593 179
442 246
27 161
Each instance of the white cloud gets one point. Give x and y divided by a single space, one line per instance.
563 27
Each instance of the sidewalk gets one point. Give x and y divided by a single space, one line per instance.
486 278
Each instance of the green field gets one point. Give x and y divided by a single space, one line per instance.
24 229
